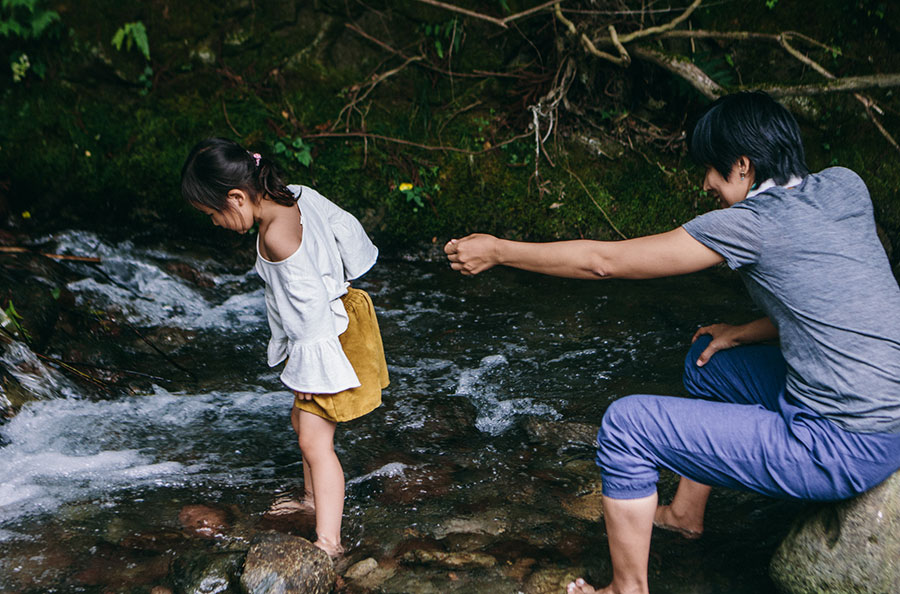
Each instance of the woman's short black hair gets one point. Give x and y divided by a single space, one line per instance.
749 123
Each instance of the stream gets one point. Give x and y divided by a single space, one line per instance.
473 450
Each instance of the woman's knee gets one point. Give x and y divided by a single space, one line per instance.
619 420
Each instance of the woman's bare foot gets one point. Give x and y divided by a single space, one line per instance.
580 586
667 519
334 550
287 504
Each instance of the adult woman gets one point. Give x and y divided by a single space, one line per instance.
817 417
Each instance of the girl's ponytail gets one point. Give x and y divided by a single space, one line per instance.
217 165
269 182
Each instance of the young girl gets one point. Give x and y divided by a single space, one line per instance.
307 251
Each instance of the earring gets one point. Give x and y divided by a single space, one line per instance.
742 176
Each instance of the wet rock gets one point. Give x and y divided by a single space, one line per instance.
476 525
186 271
417 484
585 506
280 563
465 559
30 565
361 569
370 575
121 569
205 573
850 546
550 581
519 569
204 521
559 434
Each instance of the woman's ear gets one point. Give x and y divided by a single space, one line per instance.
745 167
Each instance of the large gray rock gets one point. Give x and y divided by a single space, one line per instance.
851 547
284 564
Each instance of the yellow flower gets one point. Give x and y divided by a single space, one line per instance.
405 187
87 153
26 215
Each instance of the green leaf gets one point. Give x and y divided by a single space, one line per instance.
139 32
118 38
279 148
42 20
304 157
439 48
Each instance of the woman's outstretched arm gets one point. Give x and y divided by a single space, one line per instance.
666 254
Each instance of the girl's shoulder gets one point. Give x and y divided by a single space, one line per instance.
281 239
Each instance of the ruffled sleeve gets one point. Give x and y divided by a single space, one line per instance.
316 363
358 253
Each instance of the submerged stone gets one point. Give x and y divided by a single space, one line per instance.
203 573
282 564
848 547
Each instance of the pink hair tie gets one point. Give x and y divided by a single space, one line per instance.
257 157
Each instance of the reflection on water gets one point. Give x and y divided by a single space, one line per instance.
447 459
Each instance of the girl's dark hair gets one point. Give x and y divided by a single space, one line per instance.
749 123
217 165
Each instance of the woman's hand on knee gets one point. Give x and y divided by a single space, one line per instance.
724 336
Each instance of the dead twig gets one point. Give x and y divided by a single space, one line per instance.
500 22
867 102
227 120
451 149
24 250
600 208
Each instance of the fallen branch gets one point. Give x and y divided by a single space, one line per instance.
451 149
836 85
25 250
477 15
683 68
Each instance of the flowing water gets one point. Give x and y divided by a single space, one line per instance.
455 460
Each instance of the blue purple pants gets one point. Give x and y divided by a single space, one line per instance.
739 432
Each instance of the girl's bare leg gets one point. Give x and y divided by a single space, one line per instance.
286 504
316 440
629 524
685 513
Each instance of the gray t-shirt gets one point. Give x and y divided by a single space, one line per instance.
811 259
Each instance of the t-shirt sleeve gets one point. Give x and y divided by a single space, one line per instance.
734 233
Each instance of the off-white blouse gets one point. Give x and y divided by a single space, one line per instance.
303 295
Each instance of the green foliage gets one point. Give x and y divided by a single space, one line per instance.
450 31
770 4
296 150
12 320
415 194
25 19
132 34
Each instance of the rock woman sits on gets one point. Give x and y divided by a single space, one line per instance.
816 417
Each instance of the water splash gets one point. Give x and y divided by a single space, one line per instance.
483 386
133 281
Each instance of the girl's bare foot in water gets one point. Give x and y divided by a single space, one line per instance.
667 519
334 550
288 504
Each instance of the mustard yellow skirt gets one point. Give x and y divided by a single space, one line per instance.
362 345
